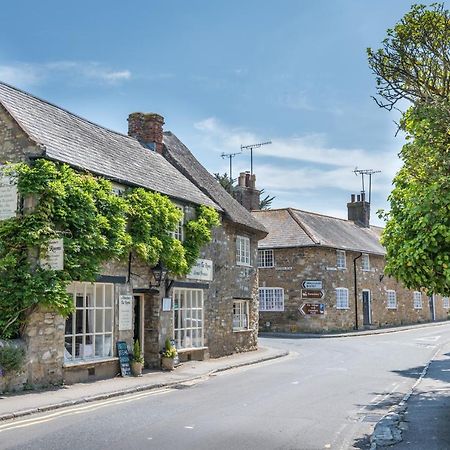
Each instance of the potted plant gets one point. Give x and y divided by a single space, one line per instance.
137 361
168 356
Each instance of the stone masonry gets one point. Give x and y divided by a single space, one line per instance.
294 265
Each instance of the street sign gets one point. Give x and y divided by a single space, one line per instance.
308 293
312 284
312 309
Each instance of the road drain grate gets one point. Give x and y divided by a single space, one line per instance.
182 386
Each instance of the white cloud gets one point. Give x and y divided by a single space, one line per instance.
24 74
19 75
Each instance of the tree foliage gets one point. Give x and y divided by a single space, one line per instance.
414 62
96 226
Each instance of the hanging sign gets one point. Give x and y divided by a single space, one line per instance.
312 284
54 259
202 270
8 198
124 358
125 312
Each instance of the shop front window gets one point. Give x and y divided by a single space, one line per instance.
188 318
89 329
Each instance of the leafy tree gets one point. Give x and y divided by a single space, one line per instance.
414 62
414 65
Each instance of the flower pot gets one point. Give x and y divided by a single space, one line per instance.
136 368
167 363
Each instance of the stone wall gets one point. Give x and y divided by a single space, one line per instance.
294 265
231 282
15 146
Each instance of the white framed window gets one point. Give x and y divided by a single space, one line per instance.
240 315
271 299
242 251
340 259
391 299
342 298
265 258
446 302
417 297
365 262
89 329
178 233
188 317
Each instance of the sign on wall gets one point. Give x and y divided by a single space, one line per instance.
312 309
167 304
311 293
202 270
8 198
54 259
125 312
312 284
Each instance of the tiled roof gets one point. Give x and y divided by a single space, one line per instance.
68 138
295 228
179 155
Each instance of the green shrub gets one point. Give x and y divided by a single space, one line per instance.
11 359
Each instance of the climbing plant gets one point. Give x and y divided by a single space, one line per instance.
96 226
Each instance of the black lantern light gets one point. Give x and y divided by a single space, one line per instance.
159 274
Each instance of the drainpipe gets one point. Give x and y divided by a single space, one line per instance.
356 289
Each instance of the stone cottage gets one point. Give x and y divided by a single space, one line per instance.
213 311
322 274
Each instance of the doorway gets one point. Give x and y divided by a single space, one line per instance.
139 319
367 313
432 308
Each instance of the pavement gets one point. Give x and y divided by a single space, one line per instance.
22 404
351 333
420 420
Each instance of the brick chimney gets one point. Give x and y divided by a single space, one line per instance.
359 210
246 193
147 128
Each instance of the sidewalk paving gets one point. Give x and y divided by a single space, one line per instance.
353 333
420 420
21 404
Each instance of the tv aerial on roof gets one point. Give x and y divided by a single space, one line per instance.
230 156
369 173
251 147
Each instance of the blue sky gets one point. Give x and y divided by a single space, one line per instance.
224 74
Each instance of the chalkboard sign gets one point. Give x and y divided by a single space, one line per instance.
124 358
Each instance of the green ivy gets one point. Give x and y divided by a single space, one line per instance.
96 226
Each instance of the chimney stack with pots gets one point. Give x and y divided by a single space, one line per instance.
147 128
359 210
246 193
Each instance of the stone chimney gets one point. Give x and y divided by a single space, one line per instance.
359 210
147 128
246 193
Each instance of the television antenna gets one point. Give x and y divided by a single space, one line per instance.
369 173
230 156
251 147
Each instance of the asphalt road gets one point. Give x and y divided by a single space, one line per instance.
327 394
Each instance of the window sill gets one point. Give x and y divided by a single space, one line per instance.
266 267
342 309
190 349
243 264
392 308
88 362
270 310
243 330
341 268
418 309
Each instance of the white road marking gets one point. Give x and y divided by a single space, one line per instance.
428 338
188 427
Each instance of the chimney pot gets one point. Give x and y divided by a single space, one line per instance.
352 198
147 128
358 198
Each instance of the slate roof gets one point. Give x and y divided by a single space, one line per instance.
70 139
290 227
179 155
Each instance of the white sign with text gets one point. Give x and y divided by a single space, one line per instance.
125 312
8 198
202 270
54 259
